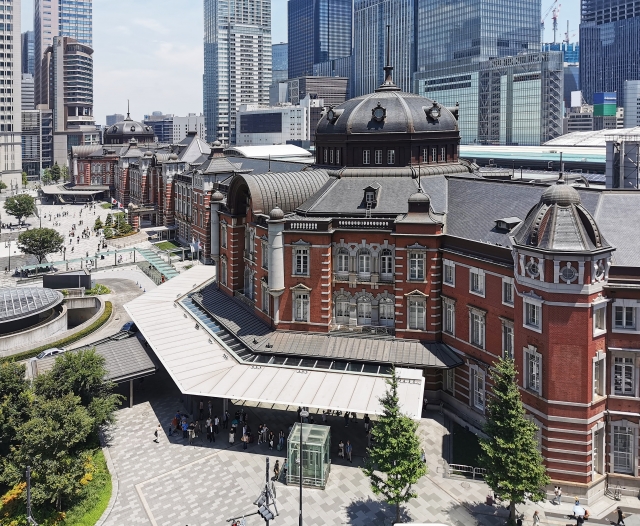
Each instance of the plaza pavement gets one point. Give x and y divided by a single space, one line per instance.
174 483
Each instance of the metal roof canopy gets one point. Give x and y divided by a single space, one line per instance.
16 303
202 365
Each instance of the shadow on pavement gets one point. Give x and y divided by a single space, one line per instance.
385 514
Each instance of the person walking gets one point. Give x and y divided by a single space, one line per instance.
558 491
225 420
191 429
349 450
367 421
210 430
156 434
185 429
265 433
341 449
276 470
210 407
281 440
260 434
216 423
536 518
245 439
201 408
620 516
271 439
346 419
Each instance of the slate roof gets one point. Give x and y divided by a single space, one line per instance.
263 166
618 217
234 317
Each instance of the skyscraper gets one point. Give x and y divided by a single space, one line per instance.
237 61
319 30
65 18
28 53
609 46
279 62
454 36
371 18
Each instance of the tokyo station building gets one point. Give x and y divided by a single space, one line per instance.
390 250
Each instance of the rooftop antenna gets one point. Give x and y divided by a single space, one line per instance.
388 68
128 112
269 171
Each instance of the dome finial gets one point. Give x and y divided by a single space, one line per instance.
388 84
128 112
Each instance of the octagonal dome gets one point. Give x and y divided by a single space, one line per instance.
122 132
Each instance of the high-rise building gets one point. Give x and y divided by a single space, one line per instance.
10 114
28 53
333 90
37 142
279 62
240 29
26 89
112 119
318 30
609 46
454 36
51 18
340 67
371 19
631 103
260 125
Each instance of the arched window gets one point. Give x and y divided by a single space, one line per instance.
386 264
386 310
248 283
342 261
342 309
364 263
364 311
252 240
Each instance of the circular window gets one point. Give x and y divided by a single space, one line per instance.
600 270
133 128
568 273
532 269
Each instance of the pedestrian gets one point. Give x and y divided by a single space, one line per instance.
324 417
346 419
191 432
260 434
341 449
281 440
245 439
201 401
349 450
216 423
209 405
265 433
225 420
156 434
212 435
423 456
367 420
620 516
536 518
276 470
185 429
558 495
271 439
284 469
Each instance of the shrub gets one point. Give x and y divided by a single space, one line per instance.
97 290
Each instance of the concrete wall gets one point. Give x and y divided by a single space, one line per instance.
81 309
35 337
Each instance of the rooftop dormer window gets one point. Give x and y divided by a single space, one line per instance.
371 195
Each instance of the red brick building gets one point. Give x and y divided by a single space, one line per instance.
394 240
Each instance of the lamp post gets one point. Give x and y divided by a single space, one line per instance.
303 414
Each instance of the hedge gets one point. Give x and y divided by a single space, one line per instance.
72 338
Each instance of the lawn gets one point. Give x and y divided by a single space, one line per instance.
106 206
168 245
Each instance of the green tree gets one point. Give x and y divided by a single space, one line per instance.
82 374
25 181
98 224
53 442
56 173
14 403
108 232
109 220
394 464
46 176
510 454
121 225
40 241
19 206
3 186
64 172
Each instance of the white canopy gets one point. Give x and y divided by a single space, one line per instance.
202 365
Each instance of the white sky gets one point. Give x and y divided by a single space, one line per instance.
150 51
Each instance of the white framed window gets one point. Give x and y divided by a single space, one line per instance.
477 398
624 315
223 236
425 155
386 264
265 298
624 449
434 155
301 306
417 313
364 263
449 315
386 312
448 272
476 281
364 311
507 339
369 197
248 283
476 327
366 156
532 370
325 156
416 266
342 261
599 383
443 154
223 272
338 156
532 315
449 380
507 291
301 262
624 376
342 307
264 255
331 156
600 319
391 156
378 156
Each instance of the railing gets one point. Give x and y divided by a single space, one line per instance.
461 470
317 226
359 223
614 492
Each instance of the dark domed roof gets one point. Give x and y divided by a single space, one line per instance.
122 132
216 197
561 194
276 214
22 302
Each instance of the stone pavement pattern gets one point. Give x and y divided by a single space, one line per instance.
205 484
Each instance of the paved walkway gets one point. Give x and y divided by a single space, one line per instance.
174 483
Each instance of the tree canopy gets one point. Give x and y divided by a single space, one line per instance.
55 172
510 454
394 464
40 242
19 206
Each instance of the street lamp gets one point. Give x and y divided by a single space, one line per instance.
303 414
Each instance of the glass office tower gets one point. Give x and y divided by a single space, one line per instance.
319 30
237 62
28 53
609 46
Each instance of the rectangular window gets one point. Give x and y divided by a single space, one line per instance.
416 266
391 156
532 315
417 315
625 317
434 155
443 154
478 389
623 445
364 313
386 264
265 256
599 319
223 272
386 312
425 155
449 380
449 308
449 271
331 156
477 329
364 264
532 363
325 155
366 157
223 236
338 156
623 376
507 291
598 378
507 339
476 281
302 261
378 157
265 299
302 307
342 310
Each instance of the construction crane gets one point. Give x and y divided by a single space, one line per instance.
554 16
553 4
567 36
